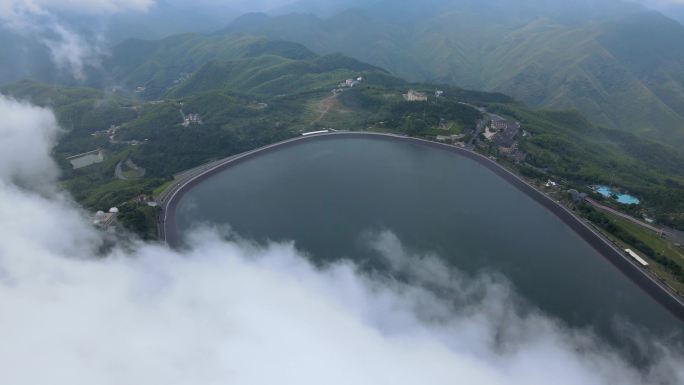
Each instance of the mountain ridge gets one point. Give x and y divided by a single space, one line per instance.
547 61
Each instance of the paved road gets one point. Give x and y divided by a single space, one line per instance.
325 104
181 178
676 236
627 217
118 174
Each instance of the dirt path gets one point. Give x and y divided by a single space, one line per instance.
119 173
324 107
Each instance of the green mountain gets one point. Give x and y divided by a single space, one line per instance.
153 67
619 65
274 75
185 64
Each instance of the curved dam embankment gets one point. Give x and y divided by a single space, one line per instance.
649 284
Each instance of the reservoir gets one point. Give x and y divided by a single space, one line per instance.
327 195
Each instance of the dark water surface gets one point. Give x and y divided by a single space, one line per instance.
326 196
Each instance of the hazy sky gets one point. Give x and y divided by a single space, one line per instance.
109 6
662 2
236 313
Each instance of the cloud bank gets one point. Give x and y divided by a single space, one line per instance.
75 6
234 312
70 50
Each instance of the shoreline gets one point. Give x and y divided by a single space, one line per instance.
642 278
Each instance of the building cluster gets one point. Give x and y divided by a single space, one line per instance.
183 76
577 196
503 124
503 135
505 132
350 83
105 220
146 200
191 119
110 133
415 96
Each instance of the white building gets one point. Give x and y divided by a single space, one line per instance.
87 159
636 257
415 96
192 119
104 220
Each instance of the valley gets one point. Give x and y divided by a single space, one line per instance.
232 94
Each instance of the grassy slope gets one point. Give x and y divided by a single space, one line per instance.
665 258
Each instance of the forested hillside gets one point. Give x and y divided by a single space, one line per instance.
618 64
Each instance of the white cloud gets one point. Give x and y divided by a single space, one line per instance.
69 50
78 6
232 312
26 141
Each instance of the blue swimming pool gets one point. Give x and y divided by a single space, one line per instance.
621 198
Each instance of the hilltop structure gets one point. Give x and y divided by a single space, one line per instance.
191 119
415 96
